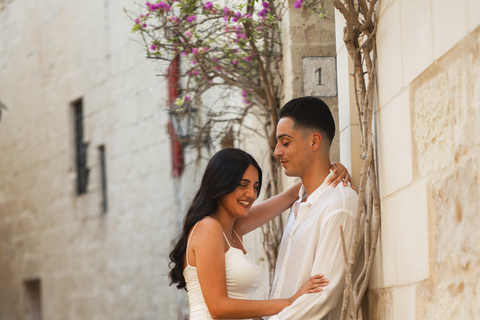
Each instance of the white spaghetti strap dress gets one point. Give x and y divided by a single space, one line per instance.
243 278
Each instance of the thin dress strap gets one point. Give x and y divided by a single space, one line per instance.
226 238
188 242
238 237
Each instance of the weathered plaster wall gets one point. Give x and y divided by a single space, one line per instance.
428 151
307 35
91 265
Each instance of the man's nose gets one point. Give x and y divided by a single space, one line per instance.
277 152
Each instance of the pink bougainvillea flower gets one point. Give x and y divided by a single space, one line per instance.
187 98
214 59
176 20
298 4
208 6
228 13
194 50
191 19
154 47
162 6
235 62
246 101
237 17
165 7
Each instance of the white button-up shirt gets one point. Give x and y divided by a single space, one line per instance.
311 245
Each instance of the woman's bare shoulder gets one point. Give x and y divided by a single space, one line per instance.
209 223
208 227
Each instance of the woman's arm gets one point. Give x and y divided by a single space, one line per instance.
272 207
209 255
267 210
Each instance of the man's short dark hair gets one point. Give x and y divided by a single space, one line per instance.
310 113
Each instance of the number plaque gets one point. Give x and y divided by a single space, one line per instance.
319 76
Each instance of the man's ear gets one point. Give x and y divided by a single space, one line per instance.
316 140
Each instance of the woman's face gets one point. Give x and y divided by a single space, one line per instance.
239 202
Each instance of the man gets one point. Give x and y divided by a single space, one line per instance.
311 242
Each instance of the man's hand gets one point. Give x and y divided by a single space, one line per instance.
340 174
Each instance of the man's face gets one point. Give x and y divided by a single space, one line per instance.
292 148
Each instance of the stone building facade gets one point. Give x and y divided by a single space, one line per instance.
62 255
103 253
88 204
428 151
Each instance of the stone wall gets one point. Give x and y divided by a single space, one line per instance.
446 131
428 151
91 265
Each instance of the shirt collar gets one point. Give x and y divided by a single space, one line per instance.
317 193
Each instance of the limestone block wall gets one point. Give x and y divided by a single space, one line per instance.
91 265
428 153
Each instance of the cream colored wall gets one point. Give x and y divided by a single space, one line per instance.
428 139
306 35
92 266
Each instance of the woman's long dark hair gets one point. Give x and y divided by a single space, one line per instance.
222 176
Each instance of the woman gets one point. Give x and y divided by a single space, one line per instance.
209 259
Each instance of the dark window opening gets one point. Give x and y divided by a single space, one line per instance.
33 299
81 149
103 177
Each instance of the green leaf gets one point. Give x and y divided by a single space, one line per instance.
136 28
